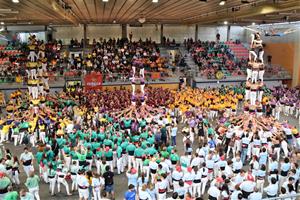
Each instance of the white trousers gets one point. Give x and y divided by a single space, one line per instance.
28 169
42 135
15 177
41 89
252 54
260 185
131 162
252 97
249 73
261 75
120 166
35 92
97 194
254 76
196 189
247 94
44 67
32 56
138 164
52 182
203 185
83 193
74 182
35 192
30 90
33 73
260 95
64 182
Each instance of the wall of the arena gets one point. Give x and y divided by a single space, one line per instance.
66 33
146 31
103 31
239 33
177 32
282 54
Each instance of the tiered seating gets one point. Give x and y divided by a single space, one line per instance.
238 49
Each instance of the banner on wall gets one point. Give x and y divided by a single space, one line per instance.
93 81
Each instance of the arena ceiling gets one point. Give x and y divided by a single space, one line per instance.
132 11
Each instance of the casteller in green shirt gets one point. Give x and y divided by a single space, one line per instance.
4 183
32 182
11 196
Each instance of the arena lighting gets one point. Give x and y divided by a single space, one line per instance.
225 22
2 23
142 20
15 1
104 0
222 3
154 1
253 23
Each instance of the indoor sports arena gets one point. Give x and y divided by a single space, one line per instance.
149 99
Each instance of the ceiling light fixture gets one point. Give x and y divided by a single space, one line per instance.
105 0
253 23
222 3
154 1
2 23
142 20
225 22
114 21
15 1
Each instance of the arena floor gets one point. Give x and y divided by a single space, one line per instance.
120 180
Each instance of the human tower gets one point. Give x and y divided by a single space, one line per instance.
255 74
37 74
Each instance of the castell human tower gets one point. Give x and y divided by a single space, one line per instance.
255 74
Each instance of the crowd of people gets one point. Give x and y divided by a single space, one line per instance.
212 57
84 140
286 101
109 57
188 144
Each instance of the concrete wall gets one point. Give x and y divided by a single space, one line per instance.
103 31
66 33
179 32
146 31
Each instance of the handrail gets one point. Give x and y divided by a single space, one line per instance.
284 197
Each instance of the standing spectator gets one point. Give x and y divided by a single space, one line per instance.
131 193
109 182
173 135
